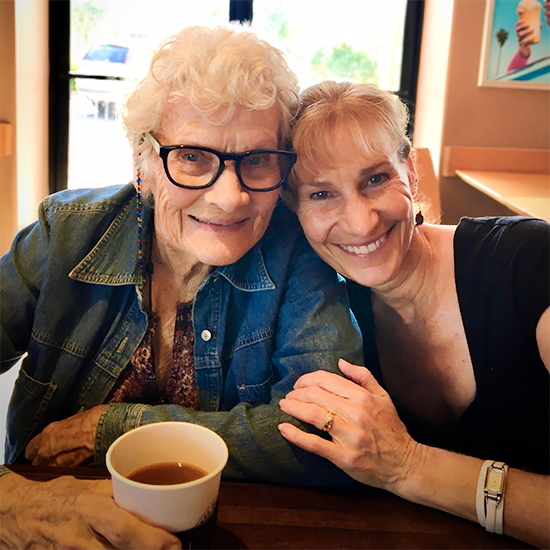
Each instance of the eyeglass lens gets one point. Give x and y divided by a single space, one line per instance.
196 168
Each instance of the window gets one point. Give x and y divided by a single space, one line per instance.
98 49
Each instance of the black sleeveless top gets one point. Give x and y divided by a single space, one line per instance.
502 276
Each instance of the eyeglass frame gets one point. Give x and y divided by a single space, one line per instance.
164 150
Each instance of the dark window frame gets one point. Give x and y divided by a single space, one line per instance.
59 94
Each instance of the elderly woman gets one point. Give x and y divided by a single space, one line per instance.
193 296
455 321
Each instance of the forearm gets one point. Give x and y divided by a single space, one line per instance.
448 481
257 451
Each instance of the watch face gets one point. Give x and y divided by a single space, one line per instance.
494 479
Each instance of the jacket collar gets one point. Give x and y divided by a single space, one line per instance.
249 273
114 259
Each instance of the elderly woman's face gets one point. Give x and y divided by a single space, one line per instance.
359 216
219 224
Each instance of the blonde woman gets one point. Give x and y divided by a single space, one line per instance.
452 409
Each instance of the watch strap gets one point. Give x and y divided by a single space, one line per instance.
494 497
480 493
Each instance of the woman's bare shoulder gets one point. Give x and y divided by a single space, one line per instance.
439 236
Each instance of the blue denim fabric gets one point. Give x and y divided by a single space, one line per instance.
69 297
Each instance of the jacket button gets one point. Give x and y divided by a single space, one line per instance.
206 335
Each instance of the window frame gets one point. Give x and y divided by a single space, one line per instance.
60 75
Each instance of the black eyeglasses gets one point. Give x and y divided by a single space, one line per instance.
193 167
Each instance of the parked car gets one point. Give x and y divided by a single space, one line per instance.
104 60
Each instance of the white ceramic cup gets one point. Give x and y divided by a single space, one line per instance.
177 507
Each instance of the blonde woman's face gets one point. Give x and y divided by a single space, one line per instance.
219 224
358 216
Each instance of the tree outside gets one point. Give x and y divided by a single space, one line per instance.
344 63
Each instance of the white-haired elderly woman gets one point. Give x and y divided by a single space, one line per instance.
452 410
191 295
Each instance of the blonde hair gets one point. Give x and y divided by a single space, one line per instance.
372 116
217 70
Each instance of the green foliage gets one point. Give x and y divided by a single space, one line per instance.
278 23
85 15
343 62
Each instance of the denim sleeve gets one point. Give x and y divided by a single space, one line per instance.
314 330
21 275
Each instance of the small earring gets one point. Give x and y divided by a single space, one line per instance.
419 218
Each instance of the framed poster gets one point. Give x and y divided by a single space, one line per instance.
516 44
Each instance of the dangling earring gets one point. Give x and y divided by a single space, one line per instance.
419 218
139 214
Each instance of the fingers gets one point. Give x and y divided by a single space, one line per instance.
361 376
306 441
68 442
308 405
329 381
43 455
350 387
134 533
120 528
32 448
317 392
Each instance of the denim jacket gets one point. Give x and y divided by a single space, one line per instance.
70 298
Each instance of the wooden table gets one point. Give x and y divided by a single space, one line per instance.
265 516
525 194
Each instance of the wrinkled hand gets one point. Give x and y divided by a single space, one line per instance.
526 37
369 441
69 442
71 513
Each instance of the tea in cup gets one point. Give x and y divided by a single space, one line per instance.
168 474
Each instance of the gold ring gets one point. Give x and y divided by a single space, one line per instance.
328 421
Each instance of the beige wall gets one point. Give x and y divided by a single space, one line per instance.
483 116
432 76
24 69
473 115
8 198
32 80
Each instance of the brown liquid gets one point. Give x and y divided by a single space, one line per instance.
167 473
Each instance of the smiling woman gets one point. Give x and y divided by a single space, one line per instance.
165 300
218 223
452 412
349 177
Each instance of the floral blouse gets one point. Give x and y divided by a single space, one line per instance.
138 384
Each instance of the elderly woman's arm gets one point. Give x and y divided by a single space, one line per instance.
372 445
